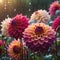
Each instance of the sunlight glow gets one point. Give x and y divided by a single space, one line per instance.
1 1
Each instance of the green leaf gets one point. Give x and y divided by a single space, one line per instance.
1 47
58 42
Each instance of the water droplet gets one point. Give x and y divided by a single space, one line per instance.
7 15
29 3
14 9
29 9
5 5
5 8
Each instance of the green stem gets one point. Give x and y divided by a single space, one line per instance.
21 49
42 56
34 56
28 55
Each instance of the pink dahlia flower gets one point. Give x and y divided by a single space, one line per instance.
17 26
56 23
54 7
39 37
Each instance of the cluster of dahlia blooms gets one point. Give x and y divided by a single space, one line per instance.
4 26
40 16
39 37
17 26
54 7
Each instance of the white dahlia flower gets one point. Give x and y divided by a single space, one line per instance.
4 26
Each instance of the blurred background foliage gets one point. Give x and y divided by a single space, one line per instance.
9 8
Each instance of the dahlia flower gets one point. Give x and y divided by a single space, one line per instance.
39 37
14 49
4 26
54 7
40 16
17 26
56 23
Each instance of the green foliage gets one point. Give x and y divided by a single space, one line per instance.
58 42
1 47
41 4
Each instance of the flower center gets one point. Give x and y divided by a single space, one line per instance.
39 30
56 8
16 49
14 22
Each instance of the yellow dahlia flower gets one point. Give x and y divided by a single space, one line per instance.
14 49
4 26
